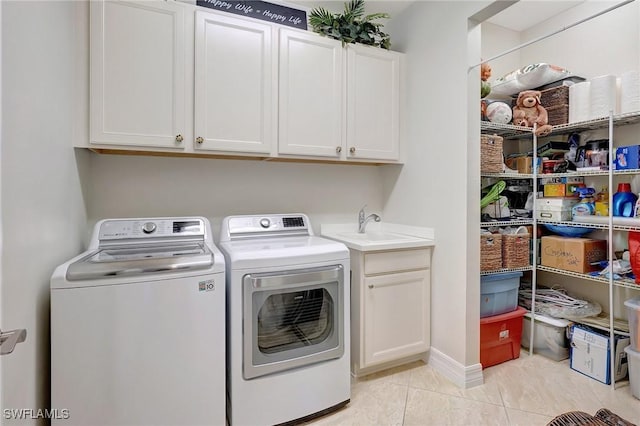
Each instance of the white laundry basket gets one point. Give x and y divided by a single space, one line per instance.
633 359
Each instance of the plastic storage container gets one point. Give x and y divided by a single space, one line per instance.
499 293
633 359
549 338
633 314
555 208
500 337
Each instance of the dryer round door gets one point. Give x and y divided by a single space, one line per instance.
292 318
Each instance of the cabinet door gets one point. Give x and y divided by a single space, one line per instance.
310 95
137 73
396 316
233 84
373 99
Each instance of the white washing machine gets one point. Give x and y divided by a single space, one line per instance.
138 326
288 329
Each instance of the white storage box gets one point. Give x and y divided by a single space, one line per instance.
633 358
555 208
589 354
633 313
550 337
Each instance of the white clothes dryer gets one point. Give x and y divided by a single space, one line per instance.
288 299
138 326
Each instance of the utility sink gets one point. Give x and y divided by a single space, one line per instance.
384 236
375 236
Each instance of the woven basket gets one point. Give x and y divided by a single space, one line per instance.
515 250
558 114
490 252
491 154
554 96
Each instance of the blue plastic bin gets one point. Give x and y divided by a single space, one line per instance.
499 293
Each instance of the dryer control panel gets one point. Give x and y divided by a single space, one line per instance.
266 225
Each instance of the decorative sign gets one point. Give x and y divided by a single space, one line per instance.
260 10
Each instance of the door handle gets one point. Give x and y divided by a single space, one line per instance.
9 340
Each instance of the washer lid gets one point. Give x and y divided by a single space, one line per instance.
130 260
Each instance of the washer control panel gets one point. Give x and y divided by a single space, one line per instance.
118 229
264 225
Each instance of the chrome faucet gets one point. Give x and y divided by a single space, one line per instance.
362 220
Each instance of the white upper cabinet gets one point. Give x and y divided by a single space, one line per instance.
234 84
311 115
170 76
137 73
373 97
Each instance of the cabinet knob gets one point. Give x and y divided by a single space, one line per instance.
352 150
370 286
338 149
179 138
200 139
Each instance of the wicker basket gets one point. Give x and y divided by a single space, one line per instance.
490 252
515 250
554 96
491 154
558 114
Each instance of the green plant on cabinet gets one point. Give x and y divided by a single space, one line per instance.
352 26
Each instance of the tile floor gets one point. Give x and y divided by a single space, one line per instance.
530 390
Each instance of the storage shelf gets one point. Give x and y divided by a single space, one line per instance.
509 131
499 271
623 282
575 224
601 322
589 173
515 222
518 133
594 226
509 175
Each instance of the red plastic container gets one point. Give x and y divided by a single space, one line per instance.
500 337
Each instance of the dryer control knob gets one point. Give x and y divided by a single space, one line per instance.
265 223
148 227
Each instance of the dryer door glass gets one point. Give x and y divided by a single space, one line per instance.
296 318
293 320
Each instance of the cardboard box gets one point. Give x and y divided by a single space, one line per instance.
570 183
522 164
553 147
590 354
554 190
627 157
572 254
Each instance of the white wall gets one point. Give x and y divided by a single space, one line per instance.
495 40
42 208
129 186
437 187
608 44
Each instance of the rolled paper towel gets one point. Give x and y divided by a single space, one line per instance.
602 96
630 92
579 102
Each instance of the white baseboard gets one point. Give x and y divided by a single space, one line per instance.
461 376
